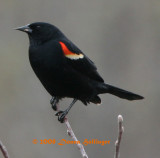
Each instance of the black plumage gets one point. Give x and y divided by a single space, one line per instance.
64 70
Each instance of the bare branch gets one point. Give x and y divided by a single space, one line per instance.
4 150
72 135
120 132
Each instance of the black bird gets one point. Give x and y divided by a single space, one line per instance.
64 70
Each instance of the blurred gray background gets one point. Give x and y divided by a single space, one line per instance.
123 38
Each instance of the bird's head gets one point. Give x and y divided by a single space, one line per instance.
40 32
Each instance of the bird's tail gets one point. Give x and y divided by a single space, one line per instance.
105 88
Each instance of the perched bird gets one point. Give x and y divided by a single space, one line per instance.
64 70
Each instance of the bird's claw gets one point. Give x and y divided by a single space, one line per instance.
58 113
53 102
54 107
61 116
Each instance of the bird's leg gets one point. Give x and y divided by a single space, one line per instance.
62 114
53 102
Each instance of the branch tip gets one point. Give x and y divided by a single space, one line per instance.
120 119
120 132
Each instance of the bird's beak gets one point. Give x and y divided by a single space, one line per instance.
25 28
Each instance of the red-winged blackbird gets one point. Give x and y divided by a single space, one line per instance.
64 70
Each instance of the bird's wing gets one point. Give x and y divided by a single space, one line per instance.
79 61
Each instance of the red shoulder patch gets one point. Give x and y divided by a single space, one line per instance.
70 54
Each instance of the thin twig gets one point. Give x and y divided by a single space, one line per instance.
120 132
4 150
72 135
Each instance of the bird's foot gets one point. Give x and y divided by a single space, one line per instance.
61 115
54 102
